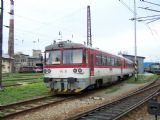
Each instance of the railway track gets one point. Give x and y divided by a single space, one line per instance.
22 79
18 84
119 108
11 110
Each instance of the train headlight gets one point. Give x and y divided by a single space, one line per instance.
45 71
49 70
74 70
80 70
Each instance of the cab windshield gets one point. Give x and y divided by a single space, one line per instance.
72 56
68 56
53 57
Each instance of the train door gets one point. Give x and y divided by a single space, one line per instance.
91 65
91 62
122 68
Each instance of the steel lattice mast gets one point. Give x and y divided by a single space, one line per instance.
89 36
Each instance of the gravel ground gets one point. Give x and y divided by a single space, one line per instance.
141 114
70 108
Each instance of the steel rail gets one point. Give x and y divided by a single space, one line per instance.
28 105
115 109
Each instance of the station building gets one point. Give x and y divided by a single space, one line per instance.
6 63
140 61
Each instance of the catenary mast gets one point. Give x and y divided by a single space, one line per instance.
89 36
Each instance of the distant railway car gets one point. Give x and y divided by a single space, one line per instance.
154 68
72 67
26 69
38 67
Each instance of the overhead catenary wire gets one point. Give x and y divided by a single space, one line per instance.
147 24
46 24
126 6
146 8
148 17
153 20
150 2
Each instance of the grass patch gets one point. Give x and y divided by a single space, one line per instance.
1 114
21 82
112 89
142 79
18 78
23 92
21 75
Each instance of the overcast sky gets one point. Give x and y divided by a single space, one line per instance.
38 22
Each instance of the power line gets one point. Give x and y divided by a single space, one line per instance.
141 17
48 24
148 17
153 20
146 8
126 6
150 3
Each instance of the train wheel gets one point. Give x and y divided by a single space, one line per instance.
97 84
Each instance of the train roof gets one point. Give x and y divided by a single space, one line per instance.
64 44
126 58
69 44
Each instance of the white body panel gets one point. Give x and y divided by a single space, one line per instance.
83 79
67 72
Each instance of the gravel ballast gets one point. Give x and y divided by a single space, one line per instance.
72 107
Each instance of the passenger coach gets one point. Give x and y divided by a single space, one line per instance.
72 67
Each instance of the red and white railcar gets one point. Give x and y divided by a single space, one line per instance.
72 67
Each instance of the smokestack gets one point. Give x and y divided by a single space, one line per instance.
11 31
11 37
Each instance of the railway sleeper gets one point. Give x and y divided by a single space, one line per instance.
106 114
99 117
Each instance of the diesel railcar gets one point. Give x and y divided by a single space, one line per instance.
73 67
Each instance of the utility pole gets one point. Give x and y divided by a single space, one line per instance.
1 41
89 35
135 41
11 35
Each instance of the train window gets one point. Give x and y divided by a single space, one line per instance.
108 61
86 56
98 59
72 56
112 61
117 62
53 57
103 60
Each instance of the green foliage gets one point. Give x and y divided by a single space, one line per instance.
112 89
23 92
1 114
142 79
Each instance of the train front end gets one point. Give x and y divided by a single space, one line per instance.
65 70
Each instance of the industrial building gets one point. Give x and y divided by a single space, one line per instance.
140 61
